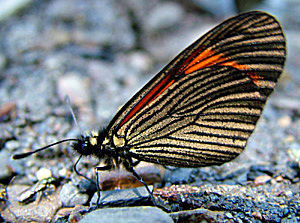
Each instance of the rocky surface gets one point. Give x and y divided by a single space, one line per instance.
100 53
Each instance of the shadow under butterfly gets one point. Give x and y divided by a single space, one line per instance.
201 108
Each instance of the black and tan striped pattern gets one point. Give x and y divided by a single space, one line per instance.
202 107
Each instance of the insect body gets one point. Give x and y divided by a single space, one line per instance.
203 106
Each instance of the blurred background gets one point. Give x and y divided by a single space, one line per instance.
100 53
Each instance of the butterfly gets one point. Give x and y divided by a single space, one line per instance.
202 107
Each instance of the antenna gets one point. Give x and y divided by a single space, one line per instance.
23 155
68 103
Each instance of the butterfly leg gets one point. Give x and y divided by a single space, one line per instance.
97 170
129 167
80 174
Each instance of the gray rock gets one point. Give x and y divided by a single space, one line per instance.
70 196
10 7
217 7
110 26
3 61
12 145
4 167
164 15
287 103
128 214
295 152
181 175
200 215
76 87
126 196
41 210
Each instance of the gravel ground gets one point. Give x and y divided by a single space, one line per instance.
100 53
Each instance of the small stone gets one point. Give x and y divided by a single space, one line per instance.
54 62
257 215
126 196
40 211
200 215
289 139
43 173
11 7
289 193
86 186
294 152
12 145
140 61
164 15
262 180
229 215
3 61
62 213
70 196
219 8
76 87
285 121
127 215
77 213
287 103
63 172
279 178
4 165
180 176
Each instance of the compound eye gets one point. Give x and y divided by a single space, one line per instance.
84 145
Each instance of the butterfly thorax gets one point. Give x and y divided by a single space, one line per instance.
100 144
91 143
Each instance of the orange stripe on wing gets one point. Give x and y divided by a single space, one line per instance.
149 97
208 58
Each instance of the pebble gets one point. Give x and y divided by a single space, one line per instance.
63 172
229 215
140 61
43 173
73 214
4 165
122 197
3 61
75 86
86 186
287 103
70 196
11 7
200 215
262 180
12 145
110 27
218 8
38 211
285 121
295 152
180 176
164 15
127 215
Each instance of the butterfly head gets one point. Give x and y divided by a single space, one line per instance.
88 144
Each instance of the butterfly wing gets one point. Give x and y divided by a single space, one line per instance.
203 106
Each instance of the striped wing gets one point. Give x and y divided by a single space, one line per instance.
203 106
